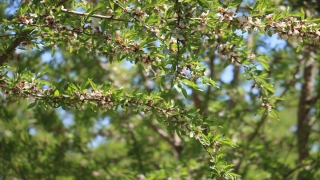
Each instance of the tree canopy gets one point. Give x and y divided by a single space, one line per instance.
158 89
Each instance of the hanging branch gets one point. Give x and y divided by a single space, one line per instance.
8 52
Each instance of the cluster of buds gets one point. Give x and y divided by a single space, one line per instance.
22 87
110 12
184 13
228 50
217 34
147 62
25 89
252 57
50 21
289 29
158 11
203 21
123 45
267 106
224 15
181 71
27 19
137 12
96 96
247 23
293 29
190 71
155 30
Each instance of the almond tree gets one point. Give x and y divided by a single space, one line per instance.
125 89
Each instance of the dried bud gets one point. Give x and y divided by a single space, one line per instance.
110 11
252 56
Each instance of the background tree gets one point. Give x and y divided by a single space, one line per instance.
156 89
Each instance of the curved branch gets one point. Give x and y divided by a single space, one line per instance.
4 57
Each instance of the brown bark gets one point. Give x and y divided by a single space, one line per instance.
303 122
212 73
197 101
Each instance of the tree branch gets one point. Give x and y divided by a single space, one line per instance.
93 15
304 108
175 142
62 2
296 168
4 57
212 71
163 134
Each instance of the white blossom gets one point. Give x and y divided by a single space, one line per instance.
33 15
165 6
242 19
220 17
204 14
269 17
295 32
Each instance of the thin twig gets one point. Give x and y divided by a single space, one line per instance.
112 17
7 35
297 168
163 134
212 69
93 15
61 2
256 131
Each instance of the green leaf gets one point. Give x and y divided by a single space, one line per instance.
53 50
184 92
296 14
299 47
56 93
74 87
32 105
46 83
274 113
191 84
111 5
93 85
229 142
234 3
270 88
160 55
264 64
95 9
177 88
261 111
61 84
39 74
104 24
209 82
302 13
202 3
